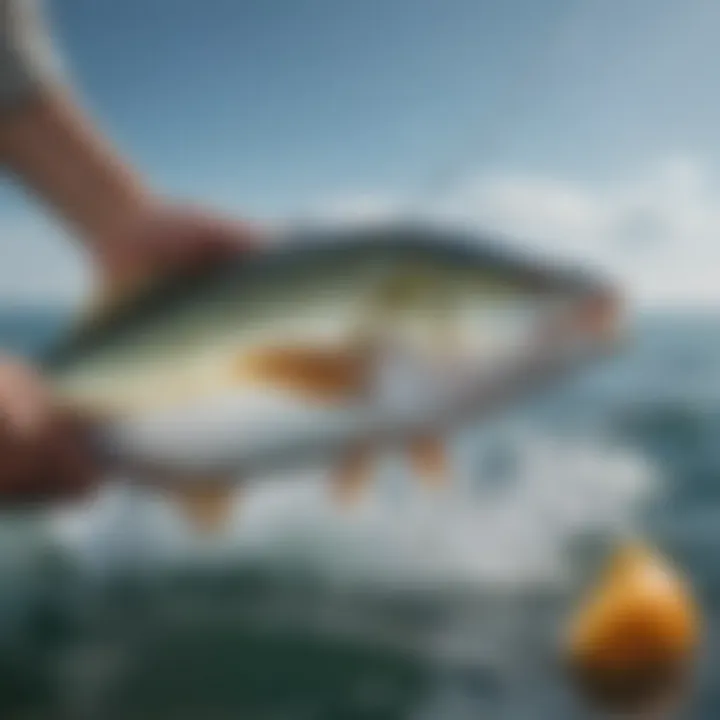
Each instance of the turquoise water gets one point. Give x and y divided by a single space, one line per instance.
414 608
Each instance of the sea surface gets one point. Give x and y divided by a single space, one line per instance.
414 606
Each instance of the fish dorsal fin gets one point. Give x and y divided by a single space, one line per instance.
353 477
207 508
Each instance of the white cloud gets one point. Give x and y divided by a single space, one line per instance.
657 231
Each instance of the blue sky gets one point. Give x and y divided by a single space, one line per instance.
554 115
270 103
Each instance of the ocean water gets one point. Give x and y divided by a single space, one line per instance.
414 606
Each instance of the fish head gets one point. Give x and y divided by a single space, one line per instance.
456 313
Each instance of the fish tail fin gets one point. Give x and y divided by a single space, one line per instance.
429 458
206 508
353 476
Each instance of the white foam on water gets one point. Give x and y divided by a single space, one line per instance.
509 535
501 539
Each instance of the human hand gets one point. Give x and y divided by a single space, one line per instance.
42 453
168 239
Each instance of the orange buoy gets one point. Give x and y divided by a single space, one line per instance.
631 645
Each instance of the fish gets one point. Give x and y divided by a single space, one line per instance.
325 346
632 643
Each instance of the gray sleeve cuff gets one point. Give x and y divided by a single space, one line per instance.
27 62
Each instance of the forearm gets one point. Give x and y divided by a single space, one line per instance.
56 152
48 143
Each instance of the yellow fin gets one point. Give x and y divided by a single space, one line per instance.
428 456
353 477
207 508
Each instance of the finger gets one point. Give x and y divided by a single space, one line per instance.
24 400
223 236
54 465
198 249
215 245
246 236
23 463
65 473
78 469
